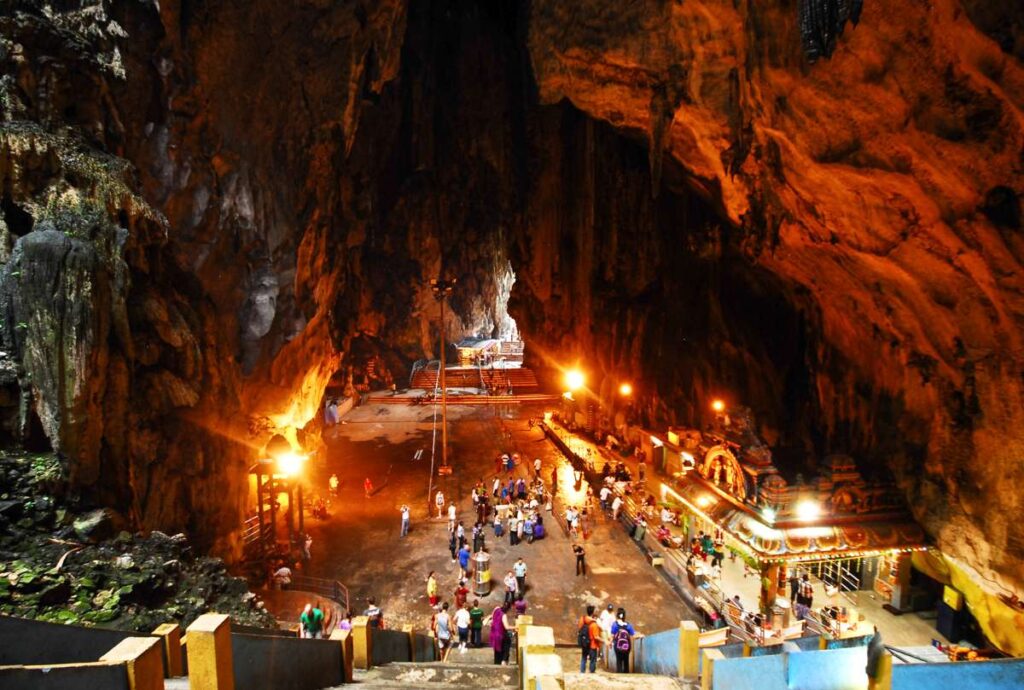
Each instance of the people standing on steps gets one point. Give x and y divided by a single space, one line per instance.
476 624
501 637
622 641
588 639
605 620
451 516
404 510
462 621
443 631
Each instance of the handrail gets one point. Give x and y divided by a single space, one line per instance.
901 653
331 589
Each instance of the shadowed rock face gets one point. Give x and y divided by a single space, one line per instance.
686 202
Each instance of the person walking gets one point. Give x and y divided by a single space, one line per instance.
368 487
443 631
476 624
513 529
794 584
404 510
805 595
333 484
511 587
432 588
311 622
439 503
464 560
461 593
519 569
451 516
460 533
622 640
581 564
453 546
501 637
616 507
462 620
588 638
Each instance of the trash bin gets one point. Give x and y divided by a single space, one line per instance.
482 574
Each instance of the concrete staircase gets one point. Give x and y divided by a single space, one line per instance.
474 669
602 680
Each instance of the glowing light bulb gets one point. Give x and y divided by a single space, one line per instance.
574 379
718 405
626 389
290 464
808 510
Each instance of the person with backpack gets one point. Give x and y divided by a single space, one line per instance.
622 641
588 639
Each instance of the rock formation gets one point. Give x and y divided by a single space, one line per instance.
228 201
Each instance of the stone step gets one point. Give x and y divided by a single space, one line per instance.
603 680
467 675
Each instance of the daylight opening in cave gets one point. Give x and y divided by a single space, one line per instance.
708 311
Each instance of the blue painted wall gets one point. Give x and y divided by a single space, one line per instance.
658 653
751 673
1004 674
834 669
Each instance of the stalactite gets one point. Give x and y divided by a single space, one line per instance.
822 23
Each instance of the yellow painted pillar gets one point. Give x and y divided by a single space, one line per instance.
707 675
362 642
883 677
210 665
522 623
344 638
170 634
144 659
689 650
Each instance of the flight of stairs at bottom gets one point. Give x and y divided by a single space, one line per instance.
602 680
473 669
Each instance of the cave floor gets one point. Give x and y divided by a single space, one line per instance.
359 543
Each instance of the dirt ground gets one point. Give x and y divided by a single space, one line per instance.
359 543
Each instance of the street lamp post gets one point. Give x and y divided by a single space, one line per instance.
442 289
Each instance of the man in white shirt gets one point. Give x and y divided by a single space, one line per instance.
605 620
405 520
451 517
616 506
605 494
462 625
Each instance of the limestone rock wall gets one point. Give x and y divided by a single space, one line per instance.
687 203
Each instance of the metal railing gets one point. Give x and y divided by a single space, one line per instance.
331 589
253 535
